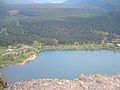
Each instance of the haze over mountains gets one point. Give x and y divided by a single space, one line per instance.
107 4
82 21
18 1
32 1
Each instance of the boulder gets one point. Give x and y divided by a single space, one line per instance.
3 83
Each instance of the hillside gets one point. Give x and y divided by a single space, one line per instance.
18 1
106 4
27 28
2 9
65 23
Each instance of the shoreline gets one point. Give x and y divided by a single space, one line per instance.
32 57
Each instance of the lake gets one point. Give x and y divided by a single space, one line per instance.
64 64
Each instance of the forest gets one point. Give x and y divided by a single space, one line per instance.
53 24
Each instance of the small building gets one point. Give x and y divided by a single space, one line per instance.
118 45
9 49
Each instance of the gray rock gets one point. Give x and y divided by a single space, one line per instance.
83 82
3 83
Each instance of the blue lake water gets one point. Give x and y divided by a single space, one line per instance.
65 64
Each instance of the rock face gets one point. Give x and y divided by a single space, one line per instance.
83 82
3 84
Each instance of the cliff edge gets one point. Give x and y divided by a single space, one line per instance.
83 82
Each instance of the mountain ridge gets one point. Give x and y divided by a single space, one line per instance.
106 4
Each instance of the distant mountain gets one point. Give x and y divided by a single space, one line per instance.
25 1
106 4
2 9
18 1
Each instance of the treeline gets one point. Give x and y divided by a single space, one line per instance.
24 26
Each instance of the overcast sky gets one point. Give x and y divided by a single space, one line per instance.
33 1
52 1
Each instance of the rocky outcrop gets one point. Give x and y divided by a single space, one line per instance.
83 82
3 83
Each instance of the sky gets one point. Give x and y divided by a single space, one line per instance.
51 1
33 1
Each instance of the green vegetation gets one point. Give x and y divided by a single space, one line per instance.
17 55
24 27
66 24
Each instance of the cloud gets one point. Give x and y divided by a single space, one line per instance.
33 1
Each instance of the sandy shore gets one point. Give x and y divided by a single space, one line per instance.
32 57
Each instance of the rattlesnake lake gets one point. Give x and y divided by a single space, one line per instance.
64 64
